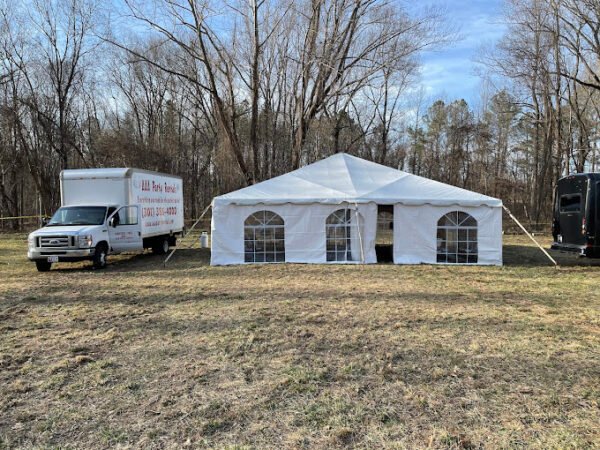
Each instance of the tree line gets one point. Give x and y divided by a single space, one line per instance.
229 93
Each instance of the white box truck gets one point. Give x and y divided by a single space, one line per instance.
109 211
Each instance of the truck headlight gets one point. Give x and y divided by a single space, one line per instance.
31 241
85 241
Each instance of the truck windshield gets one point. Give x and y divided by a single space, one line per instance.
78 215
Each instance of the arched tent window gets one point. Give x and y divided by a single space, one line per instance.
457 238
342 236
264 237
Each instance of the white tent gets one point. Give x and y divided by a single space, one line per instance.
328 212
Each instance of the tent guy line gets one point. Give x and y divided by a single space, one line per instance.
530 236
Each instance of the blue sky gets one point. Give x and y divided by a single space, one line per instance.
450 73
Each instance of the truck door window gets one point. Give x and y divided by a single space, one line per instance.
111 210
570 203
127 216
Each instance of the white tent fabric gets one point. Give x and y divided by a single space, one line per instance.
306 197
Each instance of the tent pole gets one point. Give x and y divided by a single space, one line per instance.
188 232
362 252
530 236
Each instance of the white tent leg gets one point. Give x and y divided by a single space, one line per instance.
530 236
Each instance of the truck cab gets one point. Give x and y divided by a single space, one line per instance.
109 211
576 213
86 232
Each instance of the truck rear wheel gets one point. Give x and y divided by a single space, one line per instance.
43 266
161 246
99 260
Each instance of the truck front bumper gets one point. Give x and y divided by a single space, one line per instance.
66 255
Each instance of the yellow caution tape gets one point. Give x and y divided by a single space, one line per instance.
20 217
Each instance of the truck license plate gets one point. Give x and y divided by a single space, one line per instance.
52 259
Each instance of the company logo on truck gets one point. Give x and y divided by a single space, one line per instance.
152 186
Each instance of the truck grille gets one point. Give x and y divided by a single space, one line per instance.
56 241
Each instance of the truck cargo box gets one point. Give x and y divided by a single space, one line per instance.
159 196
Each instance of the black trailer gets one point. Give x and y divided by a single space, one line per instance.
576 215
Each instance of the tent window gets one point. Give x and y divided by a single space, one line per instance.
457 239
264 238
342 239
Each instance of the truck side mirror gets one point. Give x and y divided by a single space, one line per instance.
112 223
45 221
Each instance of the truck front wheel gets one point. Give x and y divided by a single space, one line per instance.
161 246
99 260
43 266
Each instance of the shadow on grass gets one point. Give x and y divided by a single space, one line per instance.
513 255
529 256
146 261
224 291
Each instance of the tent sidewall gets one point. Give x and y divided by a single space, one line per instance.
304 225
415 232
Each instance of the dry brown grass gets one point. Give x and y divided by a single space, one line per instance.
298 356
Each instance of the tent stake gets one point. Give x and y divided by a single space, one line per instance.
189 231
530 236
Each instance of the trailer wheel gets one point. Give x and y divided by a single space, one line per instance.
161 246
43 266
99 260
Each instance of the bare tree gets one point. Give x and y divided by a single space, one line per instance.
578 29
211 56
45 77
341 49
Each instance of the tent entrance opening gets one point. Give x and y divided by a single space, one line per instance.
384 240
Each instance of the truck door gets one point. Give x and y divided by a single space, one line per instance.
125 230
572 212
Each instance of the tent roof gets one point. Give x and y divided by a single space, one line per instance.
345 178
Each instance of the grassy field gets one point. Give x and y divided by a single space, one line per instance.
299 356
